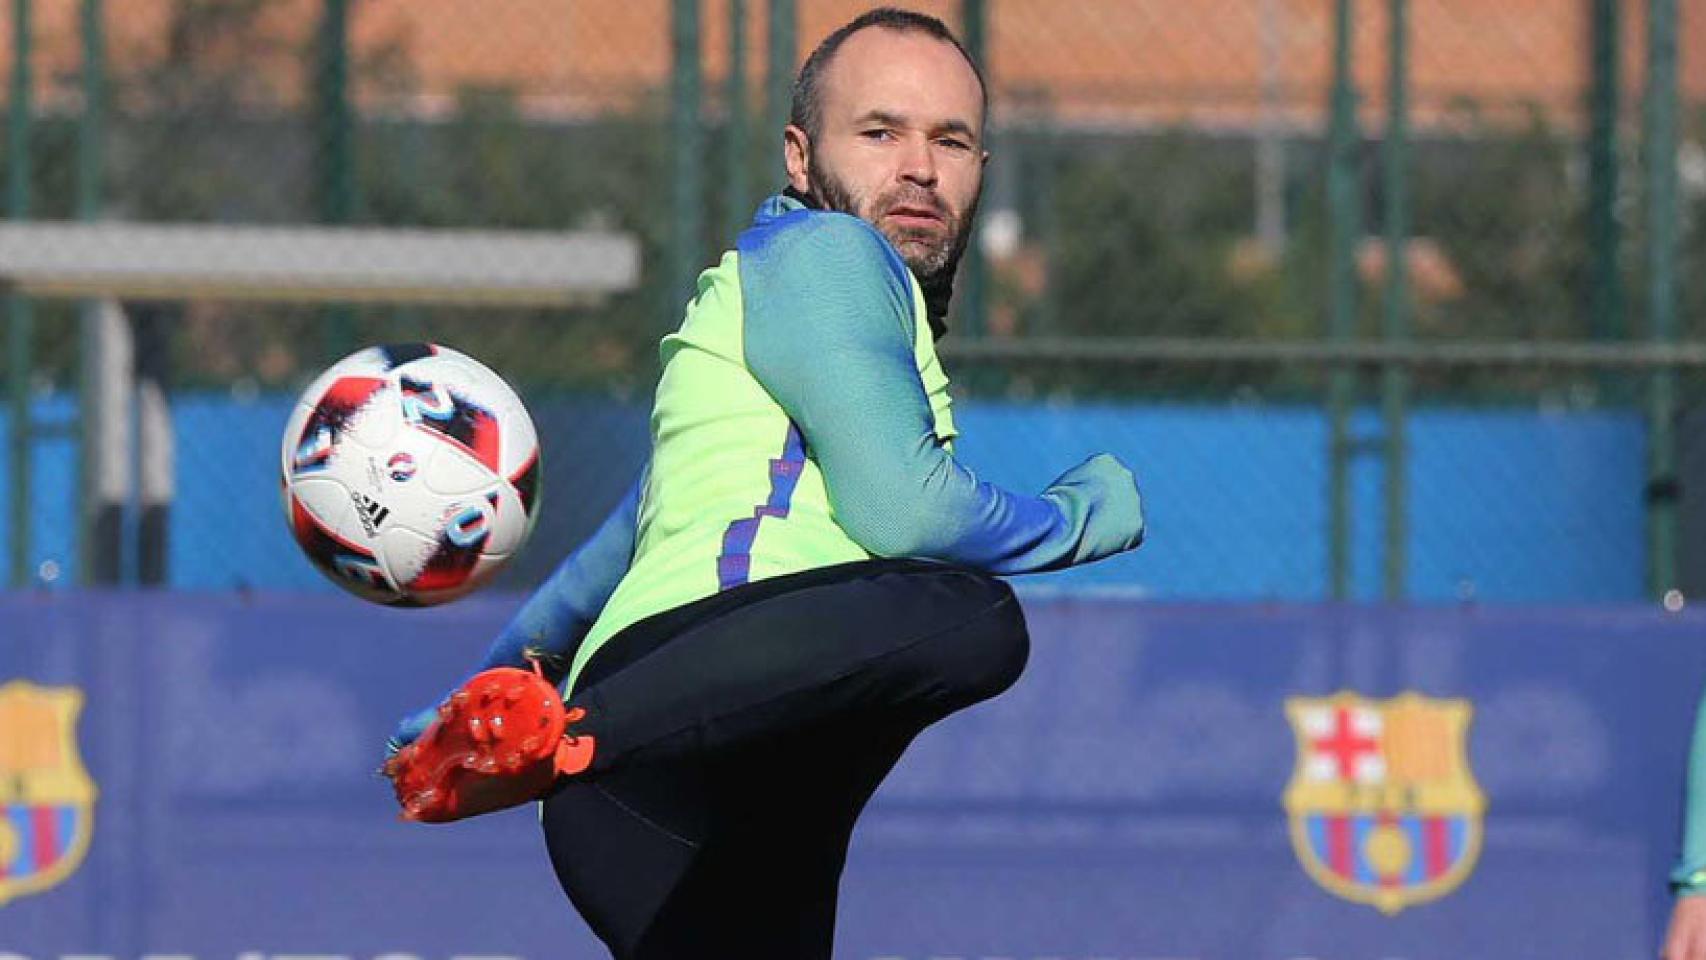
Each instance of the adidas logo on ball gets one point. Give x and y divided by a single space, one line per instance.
370 512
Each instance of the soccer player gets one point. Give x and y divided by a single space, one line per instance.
804 576
1686 939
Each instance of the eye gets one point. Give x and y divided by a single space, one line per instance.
953 143
878 134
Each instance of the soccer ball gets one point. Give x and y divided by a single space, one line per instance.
410 474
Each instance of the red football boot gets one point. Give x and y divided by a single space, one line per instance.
499 741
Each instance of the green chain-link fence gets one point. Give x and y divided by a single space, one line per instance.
1197 216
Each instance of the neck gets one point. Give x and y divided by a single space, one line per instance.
937 292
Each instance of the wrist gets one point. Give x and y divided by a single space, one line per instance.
1688 881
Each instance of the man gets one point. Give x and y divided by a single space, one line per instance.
801 581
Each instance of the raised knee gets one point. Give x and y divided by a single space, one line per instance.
990 652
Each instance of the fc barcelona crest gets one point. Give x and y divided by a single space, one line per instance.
46 797
1383 808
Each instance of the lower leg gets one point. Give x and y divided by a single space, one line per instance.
767 879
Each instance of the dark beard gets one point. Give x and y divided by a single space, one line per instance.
934 269
934 265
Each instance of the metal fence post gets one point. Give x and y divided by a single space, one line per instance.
1045 156
783 41
20 314
336 182
1605 296
98 521
686 146
1394 379
737 195
1343 184
91 128
1270 136
1661 106
974 272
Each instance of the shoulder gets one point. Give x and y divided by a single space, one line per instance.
817 245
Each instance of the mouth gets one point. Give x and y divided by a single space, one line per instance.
910 215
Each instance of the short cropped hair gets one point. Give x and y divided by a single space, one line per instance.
806 110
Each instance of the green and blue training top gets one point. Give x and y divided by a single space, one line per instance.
803 420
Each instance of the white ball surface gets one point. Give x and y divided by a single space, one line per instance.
410 474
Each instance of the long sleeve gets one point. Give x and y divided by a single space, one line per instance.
1689 877
561 611
830 334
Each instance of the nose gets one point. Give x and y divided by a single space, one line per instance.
918 162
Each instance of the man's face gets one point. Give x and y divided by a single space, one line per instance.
901 144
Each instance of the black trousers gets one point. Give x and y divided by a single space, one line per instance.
740 736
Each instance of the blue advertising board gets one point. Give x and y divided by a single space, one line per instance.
1508 506
1259 782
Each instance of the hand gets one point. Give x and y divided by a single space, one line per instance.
1102 493
1687 937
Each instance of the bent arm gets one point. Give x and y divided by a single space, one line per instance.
830 334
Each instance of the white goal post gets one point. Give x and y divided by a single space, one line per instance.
128 446
157 261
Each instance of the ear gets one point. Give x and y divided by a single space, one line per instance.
797 157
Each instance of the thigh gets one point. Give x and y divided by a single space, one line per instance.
882 642
926 592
